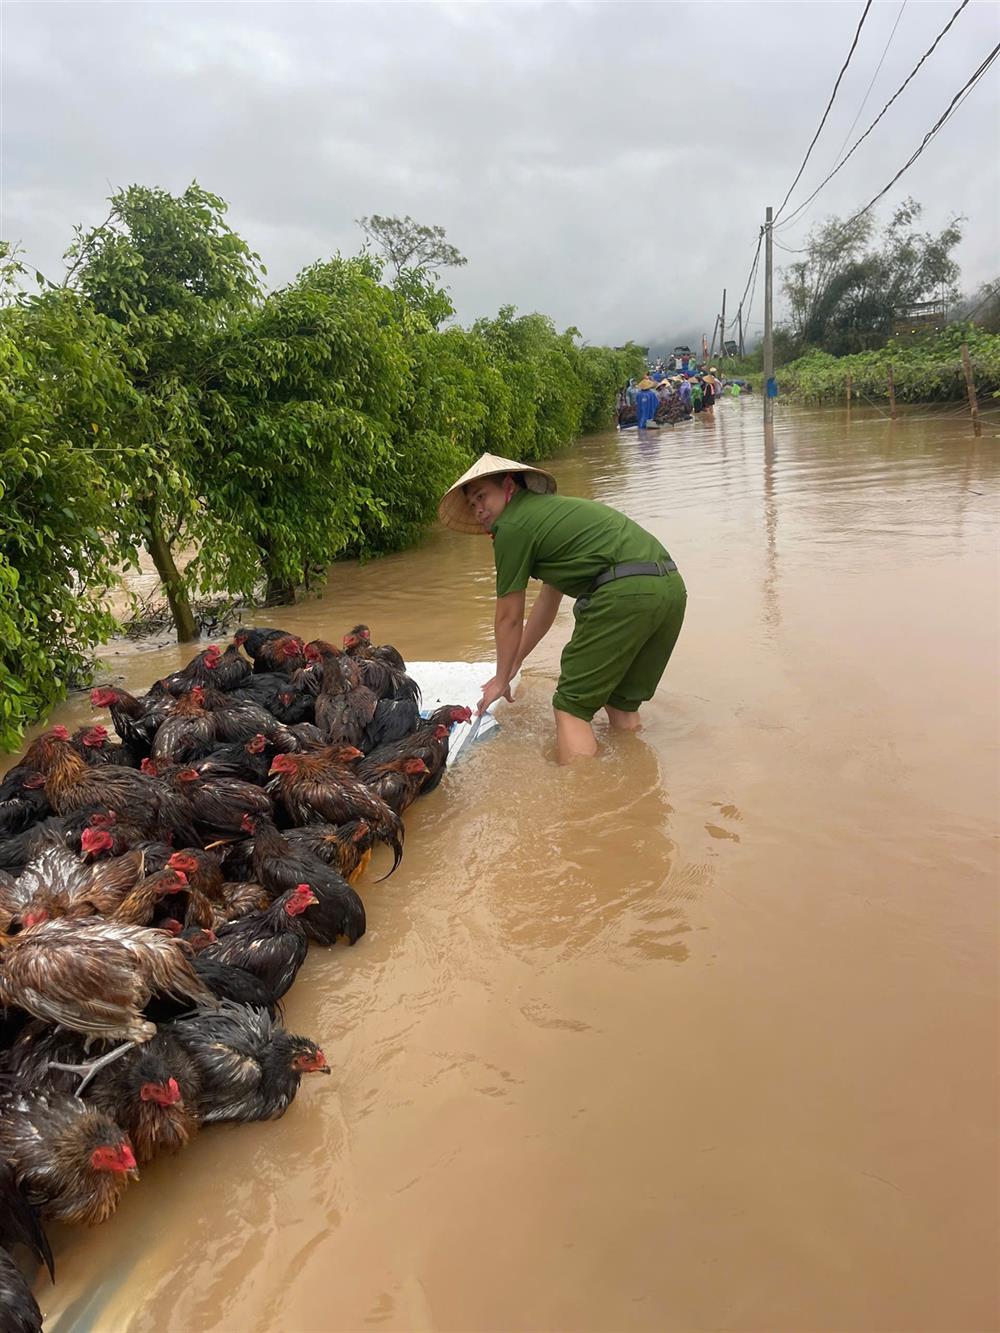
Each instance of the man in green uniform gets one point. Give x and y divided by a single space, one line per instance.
630 599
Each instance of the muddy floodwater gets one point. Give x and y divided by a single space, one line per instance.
700 1035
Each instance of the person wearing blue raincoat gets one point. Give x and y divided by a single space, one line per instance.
646 403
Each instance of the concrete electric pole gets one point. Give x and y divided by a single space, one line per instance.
768 335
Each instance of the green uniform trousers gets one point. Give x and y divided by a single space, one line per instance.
621 645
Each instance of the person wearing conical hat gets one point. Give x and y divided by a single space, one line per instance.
646 403
629 597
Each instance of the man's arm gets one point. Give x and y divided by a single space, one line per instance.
508 623
540 621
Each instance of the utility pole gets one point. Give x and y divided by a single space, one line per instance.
970 386
722 326
768 335
715 330
739 320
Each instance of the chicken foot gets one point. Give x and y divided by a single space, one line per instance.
94 1067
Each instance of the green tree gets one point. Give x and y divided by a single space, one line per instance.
171 274
407 244
843 293
300 409
66 522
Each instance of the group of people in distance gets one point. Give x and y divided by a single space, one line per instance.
667 394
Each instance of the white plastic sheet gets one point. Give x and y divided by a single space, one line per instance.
457 683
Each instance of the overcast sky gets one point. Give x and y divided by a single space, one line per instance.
607 164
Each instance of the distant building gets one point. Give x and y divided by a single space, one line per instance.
920 317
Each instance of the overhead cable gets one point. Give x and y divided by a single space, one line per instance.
938 124
843 162
829 104
871 82
753 268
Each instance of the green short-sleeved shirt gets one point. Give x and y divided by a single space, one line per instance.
564 542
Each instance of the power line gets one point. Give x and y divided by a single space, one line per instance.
795 212
753 289
753 269
829 104
938 124
752 275
871 85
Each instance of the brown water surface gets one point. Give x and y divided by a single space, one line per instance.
700 1035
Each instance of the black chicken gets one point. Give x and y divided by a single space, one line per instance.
217 805
224 982
17 851
135 720
94 748
22 800
393 719
271 945
249 1066
151 1091
247 761
19 1312
280 867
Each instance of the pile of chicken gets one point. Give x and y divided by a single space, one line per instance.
157 897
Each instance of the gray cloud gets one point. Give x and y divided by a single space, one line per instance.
607 164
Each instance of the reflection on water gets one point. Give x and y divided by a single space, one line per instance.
701 1035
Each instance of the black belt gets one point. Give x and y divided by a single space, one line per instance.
630 569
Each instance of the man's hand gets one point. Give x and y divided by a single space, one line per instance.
492 691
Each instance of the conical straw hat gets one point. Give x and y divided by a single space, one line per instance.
454 511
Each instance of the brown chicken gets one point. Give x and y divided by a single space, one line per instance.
56 884
212 901
71 1161
398 782
344 706
94 976
147 898
189 728
345 847
136 797
320 786
284 654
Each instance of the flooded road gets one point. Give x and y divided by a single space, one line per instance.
701 1035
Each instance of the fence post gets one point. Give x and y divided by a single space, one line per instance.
892 395
977 428
848 395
